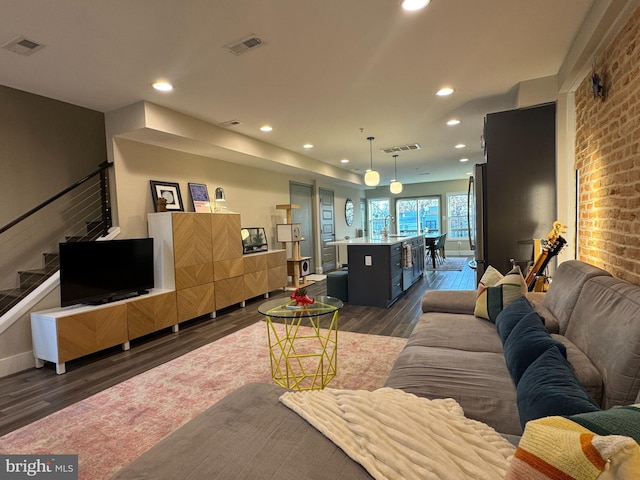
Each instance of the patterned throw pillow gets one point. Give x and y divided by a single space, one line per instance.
493 298
557 447
490 277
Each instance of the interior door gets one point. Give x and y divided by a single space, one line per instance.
302 195
327 226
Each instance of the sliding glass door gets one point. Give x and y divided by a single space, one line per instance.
418 215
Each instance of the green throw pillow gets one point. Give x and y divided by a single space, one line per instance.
615 421
492 299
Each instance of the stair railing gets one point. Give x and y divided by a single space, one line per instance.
29 243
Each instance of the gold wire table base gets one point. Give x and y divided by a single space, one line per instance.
303 361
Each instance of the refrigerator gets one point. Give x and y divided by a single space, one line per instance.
512 195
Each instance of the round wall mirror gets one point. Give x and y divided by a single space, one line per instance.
348 212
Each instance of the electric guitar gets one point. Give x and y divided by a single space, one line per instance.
555 243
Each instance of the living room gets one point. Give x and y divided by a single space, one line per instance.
597 157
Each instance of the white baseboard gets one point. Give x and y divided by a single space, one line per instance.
16 363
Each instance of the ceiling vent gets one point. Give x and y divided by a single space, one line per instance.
22 45
243 46
402 148
231 123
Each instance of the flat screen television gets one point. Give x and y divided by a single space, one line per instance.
101 272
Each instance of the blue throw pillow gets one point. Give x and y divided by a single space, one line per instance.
528 340
511 315
549 387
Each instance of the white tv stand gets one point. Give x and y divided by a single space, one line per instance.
63 334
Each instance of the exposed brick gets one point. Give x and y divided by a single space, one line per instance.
608 159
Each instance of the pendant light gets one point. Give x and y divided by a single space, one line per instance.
371 178
396 186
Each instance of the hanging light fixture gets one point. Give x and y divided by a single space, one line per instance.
371 178
396 186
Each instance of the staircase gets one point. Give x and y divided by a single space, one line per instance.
29 280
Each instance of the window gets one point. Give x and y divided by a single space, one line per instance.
378 211
458 220
418 215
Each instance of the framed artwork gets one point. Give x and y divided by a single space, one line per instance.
200 197
170 191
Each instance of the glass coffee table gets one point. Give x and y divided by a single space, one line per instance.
303 357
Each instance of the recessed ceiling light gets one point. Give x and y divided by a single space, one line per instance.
453 121
469 173
460 145
344 160
463 160
307 146
162 86
413 5
266 128
443 92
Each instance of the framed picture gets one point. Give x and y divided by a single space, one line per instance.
200 197
170 191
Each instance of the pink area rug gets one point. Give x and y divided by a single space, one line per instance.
112 428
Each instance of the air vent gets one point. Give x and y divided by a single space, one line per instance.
22 46
402 148
243 46
231 123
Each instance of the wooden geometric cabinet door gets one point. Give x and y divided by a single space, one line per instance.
277 270
255 275
150 314
195 301
192 249
226 236
91 331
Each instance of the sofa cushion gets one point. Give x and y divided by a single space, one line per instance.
462 332
490 277
584 370
605 325
527 341
551 322
549 387
568 280
511 315
491 300
450 301
478 381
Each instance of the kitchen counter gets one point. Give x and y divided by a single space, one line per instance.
382 268
390 240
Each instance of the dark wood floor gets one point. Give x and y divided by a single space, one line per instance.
36 393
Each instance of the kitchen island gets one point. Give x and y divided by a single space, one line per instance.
382 268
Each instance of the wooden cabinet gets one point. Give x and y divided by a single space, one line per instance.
64 334
214 273
264 272
277 270
150 314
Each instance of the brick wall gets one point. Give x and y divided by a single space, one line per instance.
608 159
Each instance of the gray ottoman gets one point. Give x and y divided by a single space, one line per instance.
338 285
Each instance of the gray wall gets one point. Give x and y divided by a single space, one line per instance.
45 145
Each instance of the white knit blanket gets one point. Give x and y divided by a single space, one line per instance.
396 435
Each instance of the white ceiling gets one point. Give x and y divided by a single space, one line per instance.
327 69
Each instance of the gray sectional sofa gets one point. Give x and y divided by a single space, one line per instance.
592 318
452 353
